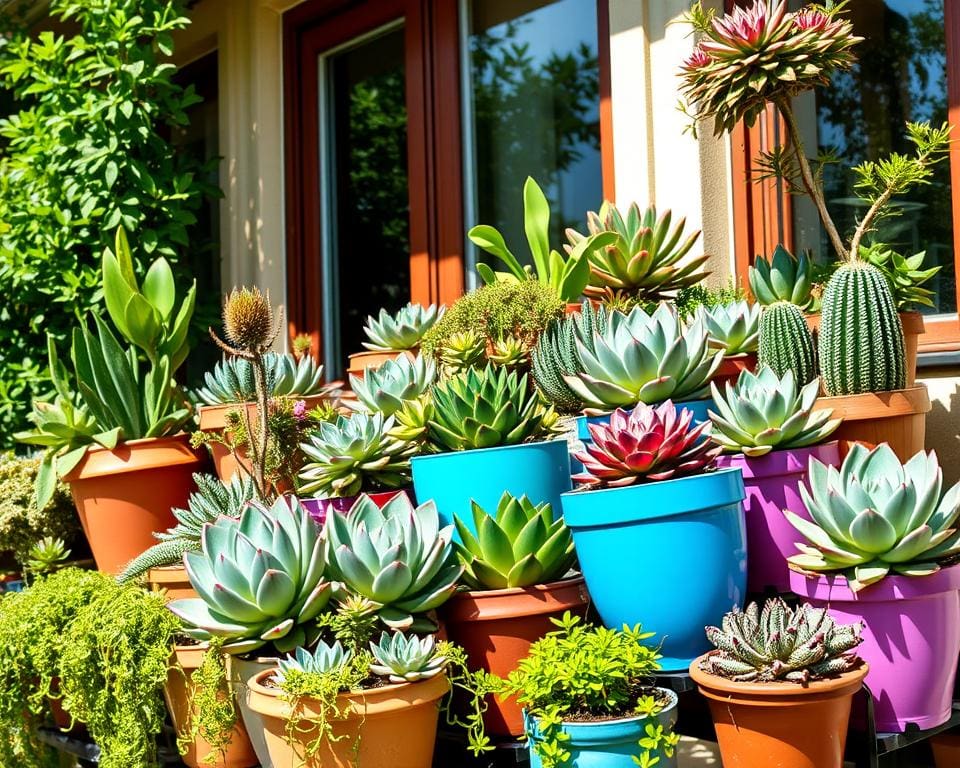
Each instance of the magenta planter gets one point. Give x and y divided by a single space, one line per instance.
911 640
772 483
320 508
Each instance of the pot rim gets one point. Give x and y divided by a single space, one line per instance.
177 448
678 403
909 401
477 594
561 441
832 587
715 686
786 461
516 602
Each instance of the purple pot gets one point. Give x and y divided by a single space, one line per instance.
772 483
911 640
320 508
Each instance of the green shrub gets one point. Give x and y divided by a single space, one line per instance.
86 150
700 295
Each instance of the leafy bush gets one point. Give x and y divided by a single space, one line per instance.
87 149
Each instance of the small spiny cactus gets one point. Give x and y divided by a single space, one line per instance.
786 343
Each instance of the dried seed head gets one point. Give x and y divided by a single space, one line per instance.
248 319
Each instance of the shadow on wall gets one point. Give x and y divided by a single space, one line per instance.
943 421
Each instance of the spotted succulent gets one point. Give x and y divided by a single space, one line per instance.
406 659
400 330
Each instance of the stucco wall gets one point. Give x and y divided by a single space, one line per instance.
943 421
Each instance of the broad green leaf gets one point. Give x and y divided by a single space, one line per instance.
143 323
159 288
125 258
116 292
490 240
46 482
536 225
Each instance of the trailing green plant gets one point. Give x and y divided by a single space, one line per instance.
764 412
784 277
213 714
385 389
484 409
397 557
47 555
781 643
261 579
583 673
518 546
566 277
875 515
206 505
905 275
401 330
232 379
641 256
88 148
647 444
641 358
733 328
354 454
786 344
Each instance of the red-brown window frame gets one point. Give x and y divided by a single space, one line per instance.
763 214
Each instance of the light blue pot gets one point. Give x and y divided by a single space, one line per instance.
670 555
541 471
611 744
699 408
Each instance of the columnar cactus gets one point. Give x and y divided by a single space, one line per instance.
861 337
786 343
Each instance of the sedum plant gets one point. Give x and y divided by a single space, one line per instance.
397 557
232 380
641 358
260 579
733 328
401 330
645 258
519 546
763 412
353 454
875 515
484 409
386 388
781 643
648 444
406 658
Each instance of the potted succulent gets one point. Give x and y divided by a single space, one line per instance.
780 685
517 574
394 335
386 388
647 487
488 429
769 431
880 537
589 701
734 328
114 429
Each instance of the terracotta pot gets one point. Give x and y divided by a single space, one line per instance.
124 495
239 671
913 327
496 628
946 749
787 725
395 726
172 580
731 368
898 418
239 753
360 361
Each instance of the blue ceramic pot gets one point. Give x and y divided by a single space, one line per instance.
611 744
699 408
671 556
541 471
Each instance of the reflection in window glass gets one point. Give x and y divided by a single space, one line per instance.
533 110
901 76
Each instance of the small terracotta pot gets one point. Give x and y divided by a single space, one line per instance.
497 627
898 418
946 749
731 368
787 725
360 361
172 580
395 725
126 494
239 753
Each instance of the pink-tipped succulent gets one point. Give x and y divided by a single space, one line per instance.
647 444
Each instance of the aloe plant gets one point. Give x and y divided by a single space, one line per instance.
386 388
400 330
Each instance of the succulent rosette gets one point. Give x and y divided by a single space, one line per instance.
402 329
733 328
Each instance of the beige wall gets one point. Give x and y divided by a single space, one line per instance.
943 421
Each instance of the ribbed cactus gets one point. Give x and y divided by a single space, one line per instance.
786 343
861 338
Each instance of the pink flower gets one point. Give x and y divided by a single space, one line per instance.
749 26
810 19
300 410
699 58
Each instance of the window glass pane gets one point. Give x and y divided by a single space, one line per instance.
533 104
901 76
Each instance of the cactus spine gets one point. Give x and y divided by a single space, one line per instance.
861 338
786 343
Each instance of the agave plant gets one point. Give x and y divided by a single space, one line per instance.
260 579
641 358
232 379
875 515
647 444
763 412
352 454
733 328
520 546
324 659
398 557
402 330
212 500
781 643
403 659
782 278
463 350
485 408
645 259
385 389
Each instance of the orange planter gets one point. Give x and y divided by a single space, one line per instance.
394 726
360 361
760 725
173 580
497 627
731 368
126 494
946 749
239 753
898 418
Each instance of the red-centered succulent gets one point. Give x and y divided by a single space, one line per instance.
646 444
